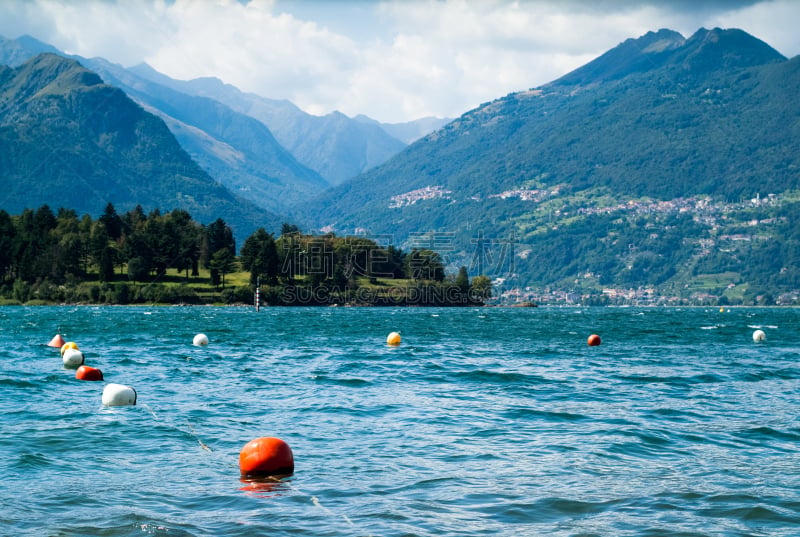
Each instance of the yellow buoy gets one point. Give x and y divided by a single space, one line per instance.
68 345
393 338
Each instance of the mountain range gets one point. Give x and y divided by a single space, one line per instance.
266 150
666 165
335 146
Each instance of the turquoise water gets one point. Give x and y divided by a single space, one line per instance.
486 421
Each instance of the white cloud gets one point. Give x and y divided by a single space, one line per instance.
417 58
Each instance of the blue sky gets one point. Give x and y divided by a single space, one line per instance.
391 60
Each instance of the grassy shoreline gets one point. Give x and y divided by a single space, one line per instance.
177 289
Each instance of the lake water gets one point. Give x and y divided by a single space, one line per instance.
484 421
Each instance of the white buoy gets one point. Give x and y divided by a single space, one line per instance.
759 336
118 395
200 340
73 358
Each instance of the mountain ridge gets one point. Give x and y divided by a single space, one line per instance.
334 145
704 50
265 172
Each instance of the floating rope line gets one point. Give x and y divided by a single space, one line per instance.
189 428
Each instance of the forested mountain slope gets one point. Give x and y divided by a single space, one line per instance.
553 169
69 140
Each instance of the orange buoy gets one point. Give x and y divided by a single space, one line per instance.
266 456
85 372
594 340
393 338
57 341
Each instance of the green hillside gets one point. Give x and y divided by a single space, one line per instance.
69 140
628 172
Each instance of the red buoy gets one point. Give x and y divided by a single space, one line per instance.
85 372
266 456
594 340
57 341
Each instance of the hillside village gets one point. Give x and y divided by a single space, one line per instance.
717 217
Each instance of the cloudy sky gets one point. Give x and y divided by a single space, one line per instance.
391 60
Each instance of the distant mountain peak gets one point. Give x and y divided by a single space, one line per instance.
705 50
654 42
632 55
725 49
33 43
17 51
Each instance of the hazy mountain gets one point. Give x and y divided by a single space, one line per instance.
15 52
235 149
557 170
230 133
410 131
334 145
69 140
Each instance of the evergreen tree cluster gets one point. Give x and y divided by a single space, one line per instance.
308 269
124 258
44 253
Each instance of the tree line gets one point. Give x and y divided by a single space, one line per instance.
295 268
62 257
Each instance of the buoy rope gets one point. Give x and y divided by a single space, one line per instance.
287 484
191 431
314 500
189 427
317 503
